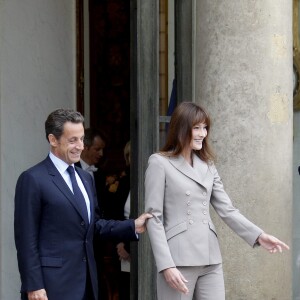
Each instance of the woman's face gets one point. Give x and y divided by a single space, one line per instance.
199 133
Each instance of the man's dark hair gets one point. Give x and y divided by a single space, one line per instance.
90 134
56 120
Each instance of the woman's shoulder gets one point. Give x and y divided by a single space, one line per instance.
156 156
159 157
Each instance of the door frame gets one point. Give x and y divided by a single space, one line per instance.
144 107
144 130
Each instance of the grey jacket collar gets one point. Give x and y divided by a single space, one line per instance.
198 172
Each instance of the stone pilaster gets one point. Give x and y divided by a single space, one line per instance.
243 77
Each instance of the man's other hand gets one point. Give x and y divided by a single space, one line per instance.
37 295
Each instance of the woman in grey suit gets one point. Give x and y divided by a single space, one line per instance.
180 184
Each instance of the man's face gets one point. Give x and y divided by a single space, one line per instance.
93 154
70 145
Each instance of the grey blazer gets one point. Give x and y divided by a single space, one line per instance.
179 197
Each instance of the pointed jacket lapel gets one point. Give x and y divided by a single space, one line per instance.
88 189
62 186
197 173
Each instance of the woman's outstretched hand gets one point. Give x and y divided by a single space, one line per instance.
271 243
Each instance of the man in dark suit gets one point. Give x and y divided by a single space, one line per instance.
56 219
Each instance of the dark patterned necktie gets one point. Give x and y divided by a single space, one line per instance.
78 194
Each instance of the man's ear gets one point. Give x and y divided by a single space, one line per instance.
52 140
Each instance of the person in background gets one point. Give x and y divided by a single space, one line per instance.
123 248
124 184
55 219
118 187
94 145
181 183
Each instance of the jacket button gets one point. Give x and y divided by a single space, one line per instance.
187 193
191 222
84 259
204 203
204 212
188 203
82 223
189 212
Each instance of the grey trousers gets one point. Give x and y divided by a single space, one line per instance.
204 283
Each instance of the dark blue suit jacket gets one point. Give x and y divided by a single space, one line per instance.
54 245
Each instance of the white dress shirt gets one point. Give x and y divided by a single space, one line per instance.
61 166
127 207
89 168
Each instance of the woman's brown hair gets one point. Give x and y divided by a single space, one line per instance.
184 118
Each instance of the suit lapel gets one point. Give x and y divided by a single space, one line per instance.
197 173
61 185
87 187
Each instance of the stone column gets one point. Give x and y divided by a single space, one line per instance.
243 76
144 133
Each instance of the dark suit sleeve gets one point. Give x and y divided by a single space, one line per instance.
112 229
26 225
116 230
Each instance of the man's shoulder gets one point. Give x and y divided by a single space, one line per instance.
36 173
39 167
